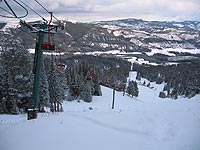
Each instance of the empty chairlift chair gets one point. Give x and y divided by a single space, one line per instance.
48 45
61 65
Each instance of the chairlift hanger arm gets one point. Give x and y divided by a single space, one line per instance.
28 25
51 28
48 45
46 30
59 22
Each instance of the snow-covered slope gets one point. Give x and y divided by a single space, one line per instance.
8 26
145 123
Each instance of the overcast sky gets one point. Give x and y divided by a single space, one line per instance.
94 10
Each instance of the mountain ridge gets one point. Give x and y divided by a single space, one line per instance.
126 36
134 21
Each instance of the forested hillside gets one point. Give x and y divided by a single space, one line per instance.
180 79
79 79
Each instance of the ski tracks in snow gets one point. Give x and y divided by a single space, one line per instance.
160 130
110 126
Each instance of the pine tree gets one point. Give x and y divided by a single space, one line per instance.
17 77
174 93
78 80
75 88
132 89
82 81
148 85
97 88
3 108
138 77
86 94
56 90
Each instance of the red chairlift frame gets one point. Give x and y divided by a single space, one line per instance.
47 45
60 64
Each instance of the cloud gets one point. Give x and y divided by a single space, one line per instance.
108 9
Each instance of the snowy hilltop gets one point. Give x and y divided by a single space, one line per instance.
146 123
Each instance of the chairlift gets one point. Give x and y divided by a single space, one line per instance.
48 45
91 73
61 65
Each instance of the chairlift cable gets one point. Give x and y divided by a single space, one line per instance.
5 16
46 10
33 10
13 13
15 16
42 6
10 9
47 45
23 8
7 12
49 25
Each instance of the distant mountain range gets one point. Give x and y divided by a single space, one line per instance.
154 34
149 40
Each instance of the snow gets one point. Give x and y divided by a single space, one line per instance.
104 45
114 52
139 31
168 36
135 41
117 33
132 76
32 51
178 25
131 34
111 27
66 33
181 50
141 61
8 26
181 58
188 36
167 51
146 122
158 51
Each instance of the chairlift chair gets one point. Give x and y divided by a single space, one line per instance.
61 65
91 73
48 45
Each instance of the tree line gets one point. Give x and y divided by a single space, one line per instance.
180 79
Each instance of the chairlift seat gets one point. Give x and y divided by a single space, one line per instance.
48 46
61 66
92 74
